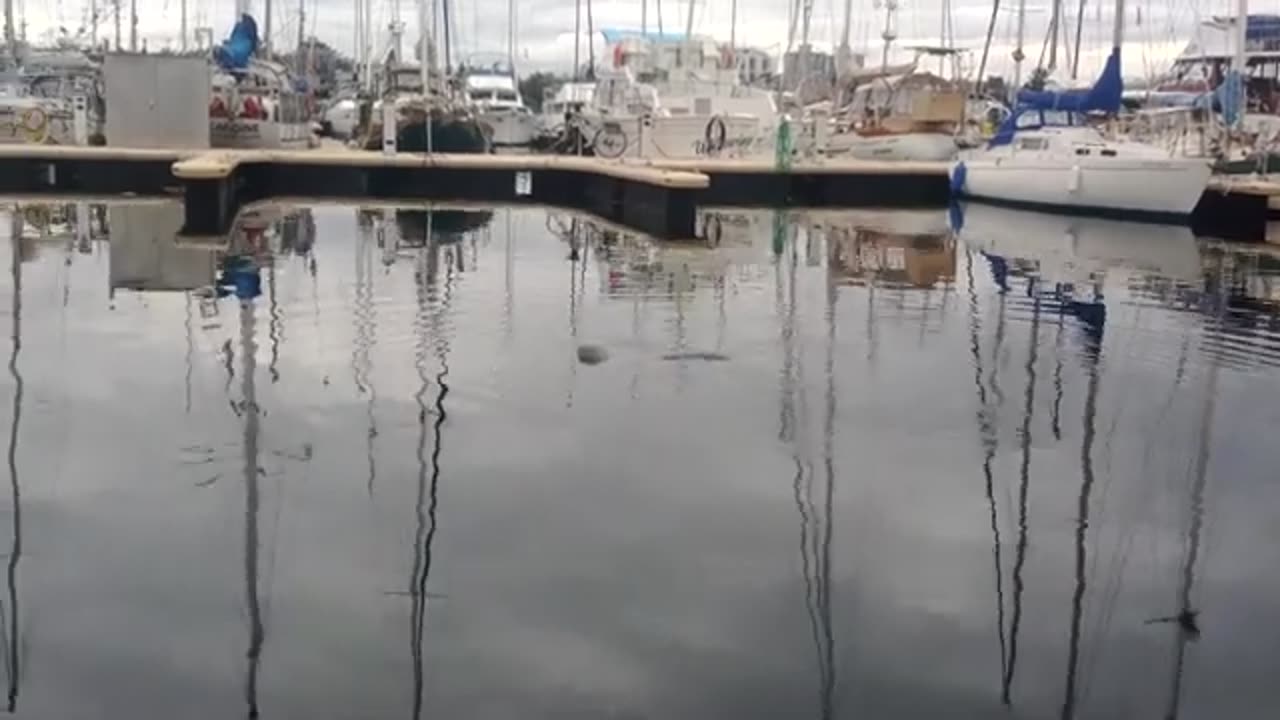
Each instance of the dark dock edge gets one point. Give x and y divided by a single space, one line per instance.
658 199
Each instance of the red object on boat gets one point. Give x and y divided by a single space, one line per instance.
252 109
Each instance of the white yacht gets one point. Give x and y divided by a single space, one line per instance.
571 97
676 98
1050 155
493 92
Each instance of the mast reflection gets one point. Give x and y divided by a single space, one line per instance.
13 661
427 501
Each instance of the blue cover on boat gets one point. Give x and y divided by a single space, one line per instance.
1230 97
235 51
1104 96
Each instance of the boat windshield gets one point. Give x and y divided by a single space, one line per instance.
407 80
1028 119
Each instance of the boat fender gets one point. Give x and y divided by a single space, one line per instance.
958 175
1073 180
712 230
715 134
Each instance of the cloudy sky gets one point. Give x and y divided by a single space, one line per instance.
545 28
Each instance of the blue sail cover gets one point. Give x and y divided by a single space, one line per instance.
1104 96
234 53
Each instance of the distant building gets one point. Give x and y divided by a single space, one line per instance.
755 66
819 76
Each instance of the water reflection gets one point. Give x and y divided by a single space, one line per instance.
635 551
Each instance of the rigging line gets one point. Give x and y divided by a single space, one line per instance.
990 442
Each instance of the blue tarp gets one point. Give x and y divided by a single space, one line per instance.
1104 96
234 53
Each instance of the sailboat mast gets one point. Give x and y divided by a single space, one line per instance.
511 33
1018 55
733 25
182 32
266 30
133 25
890 32
1238 62
9 40
302 35
1054 23
1075 58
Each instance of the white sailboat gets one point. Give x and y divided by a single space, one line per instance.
1049 154
254 102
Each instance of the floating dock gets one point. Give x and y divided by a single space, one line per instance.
659 198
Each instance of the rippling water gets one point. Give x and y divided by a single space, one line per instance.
839 464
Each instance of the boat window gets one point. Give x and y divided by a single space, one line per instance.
1108 153
1032 143
1028 119
1082 151
507 95
1057 117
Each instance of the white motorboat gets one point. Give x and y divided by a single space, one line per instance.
675 98
493 92
1050 155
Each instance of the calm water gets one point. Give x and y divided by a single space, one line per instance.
839 465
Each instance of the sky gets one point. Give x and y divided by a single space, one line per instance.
1155 33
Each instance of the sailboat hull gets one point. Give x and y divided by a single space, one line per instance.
909 146
1152 189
